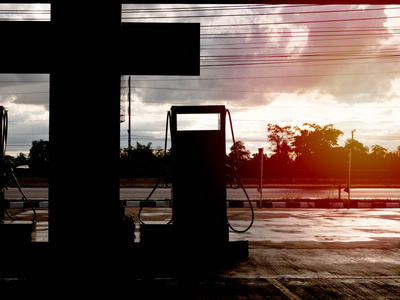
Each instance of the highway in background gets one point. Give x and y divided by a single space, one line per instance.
268 193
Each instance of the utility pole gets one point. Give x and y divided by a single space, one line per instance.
3 142
348 195
352 134
129 120
261 155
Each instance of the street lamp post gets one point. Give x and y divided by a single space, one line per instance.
348 184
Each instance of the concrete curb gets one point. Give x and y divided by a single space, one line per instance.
318 204
150 203
36 203
331 204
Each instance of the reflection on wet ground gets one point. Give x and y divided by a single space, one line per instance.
320 225
276 225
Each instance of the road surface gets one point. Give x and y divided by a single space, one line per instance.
303 254
293 254
268 193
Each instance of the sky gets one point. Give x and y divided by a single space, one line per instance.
282 64
25 96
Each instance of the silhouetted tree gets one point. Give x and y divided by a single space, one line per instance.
145 161
360 161
242 161
39 158
241 151
314 149
356 147
379 151
316 139
397 152
311 151
281 139
21 159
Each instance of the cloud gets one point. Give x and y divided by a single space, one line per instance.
26 98
29 11
355 47
354 58
358 87
28 89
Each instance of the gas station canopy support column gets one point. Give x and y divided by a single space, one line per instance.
85 48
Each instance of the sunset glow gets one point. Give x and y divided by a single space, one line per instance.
284 64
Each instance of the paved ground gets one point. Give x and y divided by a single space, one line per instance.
277 226
303 254
293 254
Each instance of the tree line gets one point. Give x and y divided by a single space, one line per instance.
312 151
38 160
308 151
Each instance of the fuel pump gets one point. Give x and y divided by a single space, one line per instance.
199 173
7 175
199 187
3 141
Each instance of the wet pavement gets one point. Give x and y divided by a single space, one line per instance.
302 225
41 231
275 225
318 225
293 254
302 254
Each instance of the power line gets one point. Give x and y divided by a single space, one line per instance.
340 53
268 62
23 121
168 79
193 8
25 12
295 63
281 13
261 77
276 45
215 62
344 53
28 134
252 14
25 19
23 81
265 77
201 7
329 28
272 65
24 93
309 39
301 22
307 57
323 29
210 48
295 37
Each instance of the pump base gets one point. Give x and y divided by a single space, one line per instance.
163 253
17 232
170 260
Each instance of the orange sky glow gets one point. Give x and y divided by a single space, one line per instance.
283 64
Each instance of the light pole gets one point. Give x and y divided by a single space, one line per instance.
348 183
261 155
